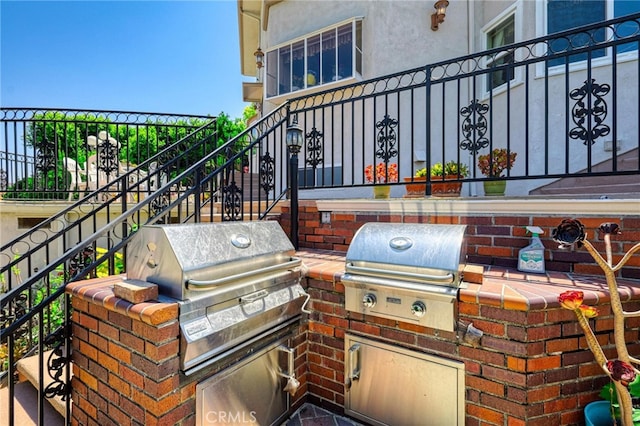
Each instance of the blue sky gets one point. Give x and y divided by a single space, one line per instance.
175 56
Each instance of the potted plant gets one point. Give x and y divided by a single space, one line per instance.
493 165
622 372
382 174
441 172
610 405
445 178
416 186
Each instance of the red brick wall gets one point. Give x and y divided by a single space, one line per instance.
492 239
126 371
532 368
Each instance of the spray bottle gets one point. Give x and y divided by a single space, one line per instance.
531 257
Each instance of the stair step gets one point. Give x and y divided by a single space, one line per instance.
28 370
253 207
25 405
590 189
598 185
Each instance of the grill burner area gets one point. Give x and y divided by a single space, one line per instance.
236 283
407 272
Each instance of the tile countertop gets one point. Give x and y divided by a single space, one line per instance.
501 287
504 288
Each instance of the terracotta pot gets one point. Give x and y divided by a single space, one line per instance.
416 189
441 188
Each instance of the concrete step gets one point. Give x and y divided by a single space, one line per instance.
627 185
25 405
620 185
248 207
28 371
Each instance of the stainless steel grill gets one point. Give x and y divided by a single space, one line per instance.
236 283
408 272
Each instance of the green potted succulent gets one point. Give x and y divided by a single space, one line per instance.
450 168
447 178
445 184
493 166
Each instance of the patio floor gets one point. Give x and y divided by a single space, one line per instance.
312 415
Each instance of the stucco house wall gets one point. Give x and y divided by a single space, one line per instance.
396 36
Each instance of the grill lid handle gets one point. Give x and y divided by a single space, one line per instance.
205 285
446 278
401 243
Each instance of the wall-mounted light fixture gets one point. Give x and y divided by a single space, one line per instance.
259 58
438 17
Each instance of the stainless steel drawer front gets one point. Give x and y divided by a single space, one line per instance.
390 385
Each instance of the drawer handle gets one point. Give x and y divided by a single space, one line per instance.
353 367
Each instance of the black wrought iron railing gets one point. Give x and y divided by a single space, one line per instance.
565 104
191 181
50 154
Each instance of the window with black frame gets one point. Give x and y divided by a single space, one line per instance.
329 55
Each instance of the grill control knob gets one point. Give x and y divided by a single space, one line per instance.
418 309
369 300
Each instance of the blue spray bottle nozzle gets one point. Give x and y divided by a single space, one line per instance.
535 230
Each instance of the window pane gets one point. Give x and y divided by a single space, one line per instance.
313 61
298 65
500 77
566 14
622 8
328 57
284 70
501 35
272 73
359 47
345 52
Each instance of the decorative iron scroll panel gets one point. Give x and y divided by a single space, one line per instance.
267 172
59 360
315 140
386 138
45 161
231 202
474 127
589 112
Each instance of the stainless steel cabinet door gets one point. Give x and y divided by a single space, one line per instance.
250 392
390 385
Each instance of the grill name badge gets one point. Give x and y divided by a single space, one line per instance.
198 328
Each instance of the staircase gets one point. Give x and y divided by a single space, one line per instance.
26 395
603 186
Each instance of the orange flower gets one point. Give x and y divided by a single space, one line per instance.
571 299
589 311
383 174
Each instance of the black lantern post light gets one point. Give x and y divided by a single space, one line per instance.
295 139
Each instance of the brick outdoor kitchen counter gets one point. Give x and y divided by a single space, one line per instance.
532 366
